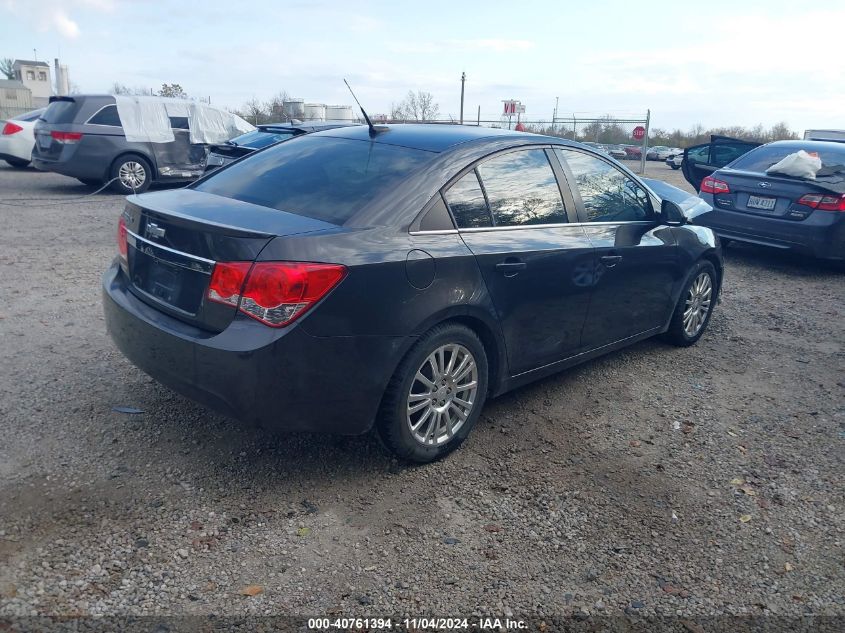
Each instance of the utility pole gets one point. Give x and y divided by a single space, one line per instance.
554 115
463 81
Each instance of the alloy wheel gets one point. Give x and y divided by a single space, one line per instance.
697 304
442 394
132 174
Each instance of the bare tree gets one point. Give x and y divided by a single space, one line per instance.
275 107
6 67
254 111
417 106
122 89
172 90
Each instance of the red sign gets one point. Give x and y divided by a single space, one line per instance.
639 133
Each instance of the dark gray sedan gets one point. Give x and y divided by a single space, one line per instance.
397 277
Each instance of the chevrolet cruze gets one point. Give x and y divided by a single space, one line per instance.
396 277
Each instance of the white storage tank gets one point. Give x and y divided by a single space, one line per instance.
294 108
339 113
315 112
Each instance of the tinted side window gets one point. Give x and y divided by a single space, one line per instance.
467 203
608 194
522 189
178 122
106 116
437 218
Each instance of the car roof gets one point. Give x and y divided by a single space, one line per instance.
807 145
431 137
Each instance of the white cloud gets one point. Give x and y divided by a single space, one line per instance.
493 44
64 25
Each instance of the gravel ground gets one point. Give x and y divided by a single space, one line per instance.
656 480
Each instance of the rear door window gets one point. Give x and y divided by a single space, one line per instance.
522 189
467 202
106 116
320 177
608 194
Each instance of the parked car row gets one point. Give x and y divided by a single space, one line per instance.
134 142
618 151
662 153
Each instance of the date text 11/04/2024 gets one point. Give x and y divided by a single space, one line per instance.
481 624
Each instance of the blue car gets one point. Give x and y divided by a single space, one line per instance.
798 214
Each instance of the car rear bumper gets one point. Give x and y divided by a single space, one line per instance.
93 170
282 379
821 235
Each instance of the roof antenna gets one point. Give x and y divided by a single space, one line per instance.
373 129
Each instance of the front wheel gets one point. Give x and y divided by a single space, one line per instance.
674 166
436 395
131 174
692 314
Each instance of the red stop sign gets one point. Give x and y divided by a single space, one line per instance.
639 133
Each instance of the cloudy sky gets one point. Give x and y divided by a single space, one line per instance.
715 63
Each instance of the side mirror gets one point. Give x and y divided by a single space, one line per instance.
671 214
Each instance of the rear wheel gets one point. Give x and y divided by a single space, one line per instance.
692 314
18 163
131 174
436 395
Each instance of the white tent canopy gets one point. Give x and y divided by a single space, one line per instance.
147 119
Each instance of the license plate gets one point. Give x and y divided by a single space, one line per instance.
44 141
758 202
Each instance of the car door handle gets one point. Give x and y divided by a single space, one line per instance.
511 267
611 260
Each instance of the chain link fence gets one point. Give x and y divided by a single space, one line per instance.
7 112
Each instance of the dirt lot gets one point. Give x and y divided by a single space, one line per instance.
657 480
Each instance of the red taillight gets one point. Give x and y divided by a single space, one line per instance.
11 128
121 239
66 137
227 281
275 293
823 202
713 185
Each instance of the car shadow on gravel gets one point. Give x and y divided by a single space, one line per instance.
783 261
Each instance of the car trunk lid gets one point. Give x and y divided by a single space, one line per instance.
764 194
174 239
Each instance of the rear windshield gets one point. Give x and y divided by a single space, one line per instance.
761 158
60 112
259 138
319 177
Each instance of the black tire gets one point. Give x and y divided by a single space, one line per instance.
130 161
674 166
677 333
393 424
91 182
18 163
